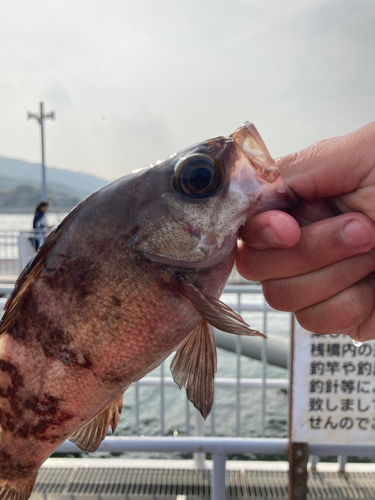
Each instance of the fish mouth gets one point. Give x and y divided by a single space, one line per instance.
251 148
256 174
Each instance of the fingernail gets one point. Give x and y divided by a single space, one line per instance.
356 234
271 236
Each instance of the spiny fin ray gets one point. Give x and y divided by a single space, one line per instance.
90 436
194 367
20 491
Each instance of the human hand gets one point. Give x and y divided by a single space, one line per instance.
321 271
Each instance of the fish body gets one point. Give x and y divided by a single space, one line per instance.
132 274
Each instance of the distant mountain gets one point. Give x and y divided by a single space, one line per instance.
25 198
15 173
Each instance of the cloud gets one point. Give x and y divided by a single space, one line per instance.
169 74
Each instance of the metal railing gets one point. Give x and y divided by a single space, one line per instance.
5 291
16 249
218 447
9 252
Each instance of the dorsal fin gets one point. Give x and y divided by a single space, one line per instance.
30 273
90 436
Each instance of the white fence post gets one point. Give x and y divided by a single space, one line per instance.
218 476
199 456
26 249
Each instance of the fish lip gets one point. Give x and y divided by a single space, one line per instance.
249 131
249 144
256 174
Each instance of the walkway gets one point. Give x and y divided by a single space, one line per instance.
110 479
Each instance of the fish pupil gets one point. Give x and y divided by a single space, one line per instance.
200 178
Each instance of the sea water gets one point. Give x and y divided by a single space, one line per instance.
24 222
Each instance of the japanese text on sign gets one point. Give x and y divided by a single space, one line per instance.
333 389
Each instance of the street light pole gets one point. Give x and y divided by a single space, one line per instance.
40 119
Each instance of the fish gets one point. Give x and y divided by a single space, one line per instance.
132 274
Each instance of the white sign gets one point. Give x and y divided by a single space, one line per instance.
333 389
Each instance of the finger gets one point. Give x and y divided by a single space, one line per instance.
344 311
312 211
277 229
300 292
321 244
330 167
366 330
270 229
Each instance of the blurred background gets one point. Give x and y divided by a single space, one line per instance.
132 81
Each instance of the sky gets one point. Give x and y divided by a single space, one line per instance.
132 81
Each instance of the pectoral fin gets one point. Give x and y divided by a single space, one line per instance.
214 311
194 367
90 436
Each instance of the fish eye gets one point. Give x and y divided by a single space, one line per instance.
198 176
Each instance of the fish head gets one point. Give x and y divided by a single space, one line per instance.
192 205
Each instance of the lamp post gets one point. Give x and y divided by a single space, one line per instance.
40 119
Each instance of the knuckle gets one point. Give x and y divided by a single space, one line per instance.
371 256
310 251
344 311
358 307
249 263
344 274
246 269
312 320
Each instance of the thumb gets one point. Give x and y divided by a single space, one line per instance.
331 167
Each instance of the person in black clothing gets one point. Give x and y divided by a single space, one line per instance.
40 223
